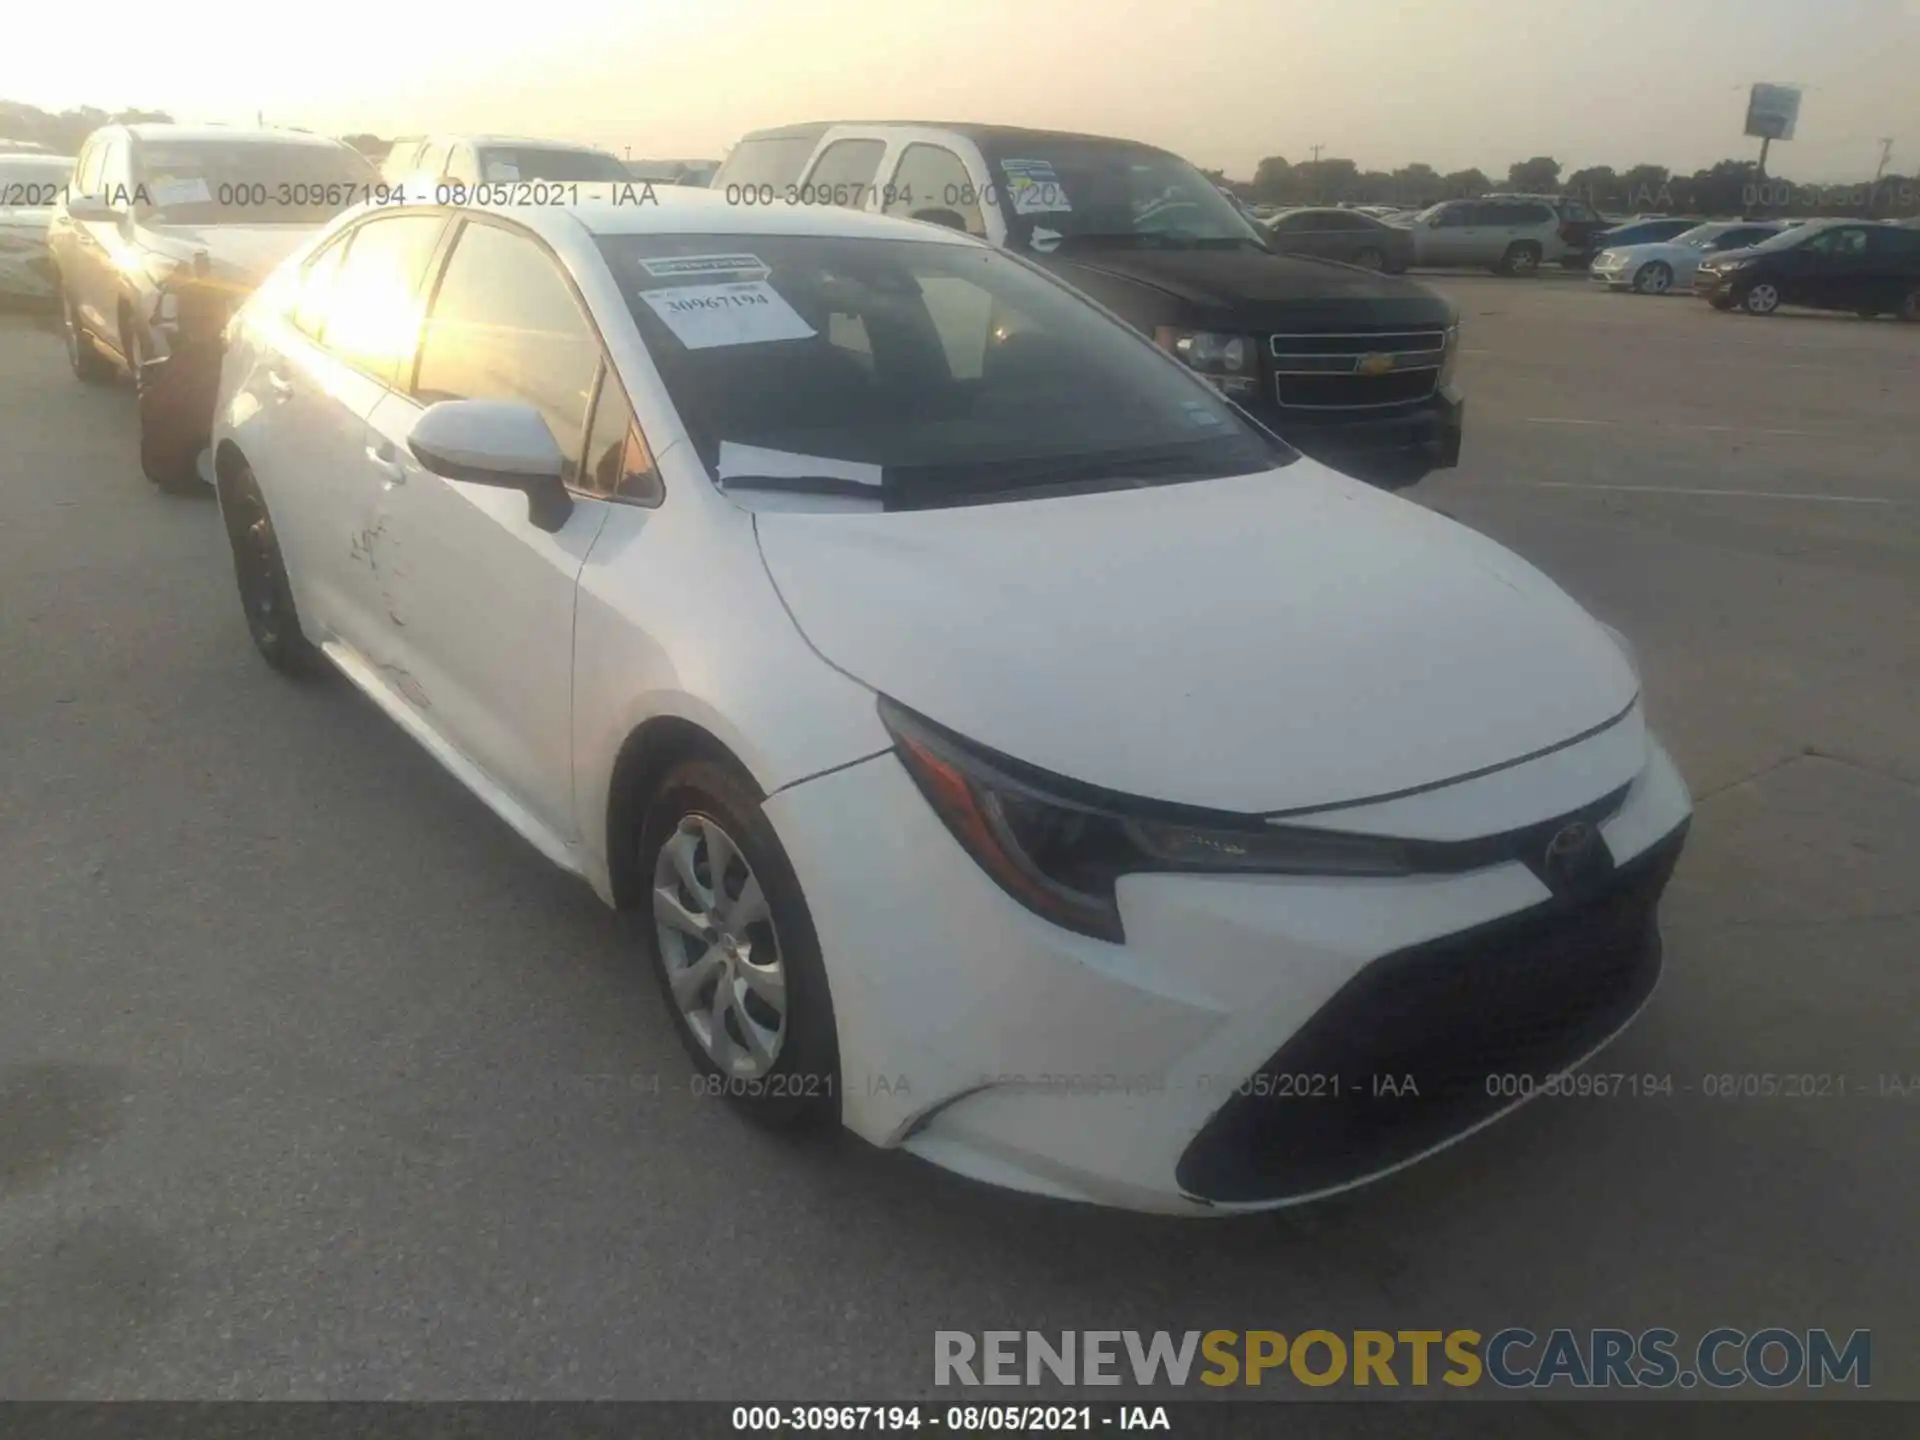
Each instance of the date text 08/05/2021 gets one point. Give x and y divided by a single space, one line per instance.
958 1419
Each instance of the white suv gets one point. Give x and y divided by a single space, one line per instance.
1512 234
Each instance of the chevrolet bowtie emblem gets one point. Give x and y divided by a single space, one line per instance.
1374 364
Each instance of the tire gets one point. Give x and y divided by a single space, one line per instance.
1761 299
1910 306
777 1068
1654 279
170 469
87 363
1522 258
260 572
1369 258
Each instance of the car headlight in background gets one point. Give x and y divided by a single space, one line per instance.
1606 260
1231 362
1060 854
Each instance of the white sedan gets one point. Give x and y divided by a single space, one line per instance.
1670 264
1025 760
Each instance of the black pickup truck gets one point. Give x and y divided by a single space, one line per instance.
1352 367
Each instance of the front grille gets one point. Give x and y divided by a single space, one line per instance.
1356 371
1459 1026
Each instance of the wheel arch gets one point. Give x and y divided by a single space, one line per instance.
651 750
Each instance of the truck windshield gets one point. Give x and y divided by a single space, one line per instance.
1109 192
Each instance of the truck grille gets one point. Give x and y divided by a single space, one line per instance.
1472 1020
1356 372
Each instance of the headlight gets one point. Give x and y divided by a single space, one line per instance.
1229 361
1058 848
1452 360
1605 260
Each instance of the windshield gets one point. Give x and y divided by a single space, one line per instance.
253 182
1700 237
918 373
530 162
1112 193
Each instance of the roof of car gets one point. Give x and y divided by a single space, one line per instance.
609 209
230 134
517 140
972 129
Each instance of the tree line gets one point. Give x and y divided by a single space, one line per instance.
1728 187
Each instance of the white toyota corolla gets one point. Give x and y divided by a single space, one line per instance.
1026 760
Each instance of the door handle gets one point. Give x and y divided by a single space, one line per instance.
383 459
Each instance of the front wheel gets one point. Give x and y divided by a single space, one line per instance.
87 363
1910 306
1654 279
1370 259
1761 299
260 571
734 949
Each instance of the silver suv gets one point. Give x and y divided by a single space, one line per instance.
1511 234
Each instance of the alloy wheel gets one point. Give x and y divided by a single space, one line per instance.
1654 279
1370 259
1910 307
722 955
1762 299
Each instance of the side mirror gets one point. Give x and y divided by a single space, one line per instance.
90 208
951 219
501 443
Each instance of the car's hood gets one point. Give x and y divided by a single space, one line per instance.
243 254
1270 642
1262 290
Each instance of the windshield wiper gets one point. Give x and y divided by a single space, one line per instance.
806 485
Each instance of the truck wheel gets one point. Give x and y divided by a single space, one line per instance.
88 363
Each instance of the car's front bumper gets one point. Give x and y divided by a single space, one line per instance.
1257 1041
1392 450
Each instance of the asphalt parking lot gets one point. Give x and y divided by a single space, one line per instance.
316 1082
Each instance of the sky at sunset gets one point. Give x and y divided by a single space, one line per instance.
1454 83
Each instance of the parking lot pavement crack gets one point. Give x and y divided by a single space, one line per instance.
1879 772
1759 773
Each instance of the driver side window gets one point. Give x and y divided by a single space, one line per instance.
936 179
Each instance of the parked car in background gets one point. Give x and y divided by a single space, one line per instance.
164 229
1352 237
1512 235
1869 268
424 163
32 184
913 575
1644 232
1656 268
1354 369
1580 225
673 172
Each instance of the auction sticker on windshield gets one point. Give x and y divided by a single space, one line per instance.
747 312
741 267
1034 187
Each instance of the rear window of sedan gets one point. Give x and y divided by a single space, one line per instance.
941 372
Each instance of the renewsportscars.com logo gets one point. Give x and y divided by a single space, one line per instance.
1515 1358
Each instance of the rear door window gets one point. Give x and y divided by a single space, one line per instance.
373 303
